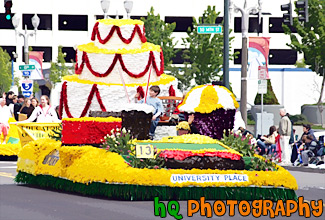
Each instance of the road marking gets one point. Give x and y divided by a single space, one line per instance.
309 202
7 175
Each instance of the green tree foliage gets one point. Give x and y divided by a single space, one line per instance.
59 68
269 98
311 40
5 71
203 51
158 32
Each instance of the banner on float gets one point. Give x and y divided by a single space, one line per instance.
34 131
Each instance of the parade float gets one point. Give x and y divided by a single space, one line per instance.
109 72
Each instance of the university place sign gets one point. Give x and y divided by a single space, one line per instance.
212 178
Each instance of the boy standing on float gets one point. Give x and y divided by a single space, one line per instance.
157 104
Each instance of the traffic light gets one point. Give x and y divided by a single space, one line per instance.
302 7
287 17
8 5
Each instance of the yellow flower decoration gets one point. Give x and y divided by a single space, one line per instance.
91 48
208 100
164 79
183 125
83 119
86 164
120 22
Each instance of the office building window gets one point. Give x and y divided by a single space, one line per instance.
253 26
275 25
282 57
182 23
238 59
178 59
111 16
11 50
4 23
70 54
47 55
73 22
45 21
138 17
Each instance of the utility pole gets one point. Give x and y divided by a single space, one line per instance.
244 53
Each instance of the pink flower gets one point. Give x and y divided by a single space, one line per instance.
256 174
141 160
129 151
156 167
127 156
266 169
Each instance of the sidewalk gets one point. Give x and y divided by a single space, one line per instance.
304 169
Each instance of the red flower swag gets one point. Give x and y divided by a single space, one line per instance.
64 101
181 155
118 31
152 59
88 132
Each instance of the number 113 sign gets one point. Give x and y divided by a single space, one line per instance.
144 151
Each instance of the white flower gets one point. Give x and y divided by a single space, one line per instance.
124 130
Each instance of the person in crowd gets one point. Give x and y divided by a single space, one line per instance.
187 127
267 143
4 118
245 132
308 148
44 112
18 106
11 105
9 97
306 128
285 132
157 104
27 108
35 102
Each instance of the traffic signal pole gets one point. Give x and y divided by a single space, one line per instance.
226 44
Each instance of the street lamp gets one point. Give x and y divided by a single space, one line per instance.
128 7
25 34
105 6
244 28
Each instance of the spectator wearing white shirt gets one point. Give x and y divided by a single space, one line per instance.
44 112
4 118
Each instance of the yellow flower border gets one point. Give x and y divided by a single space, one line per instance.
91 48
164 80
84 119
120 22
87 164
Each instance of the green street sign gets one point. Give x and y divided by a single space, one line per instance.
26 67
209 29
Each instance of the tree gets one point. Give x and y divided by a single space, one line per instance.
58 68
269 98
5 71
204 51
311 41
158 32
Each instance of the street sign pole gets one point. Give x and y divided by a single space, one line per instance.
262 90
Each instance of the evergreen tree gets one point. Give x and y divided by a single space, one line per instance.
59 68
269 98
158 32
5 71
204 51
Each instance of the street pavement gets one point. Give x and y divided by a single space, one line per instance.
19 202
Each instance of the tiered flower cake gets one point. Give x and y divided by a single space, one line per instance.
119 55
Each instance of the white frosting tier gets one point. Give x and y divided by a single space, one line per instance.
113 97
115 42
135 63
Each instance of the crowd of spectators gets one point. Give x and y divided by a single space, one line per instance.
24 110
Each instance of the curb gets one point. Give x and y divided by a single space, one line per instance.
304 169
